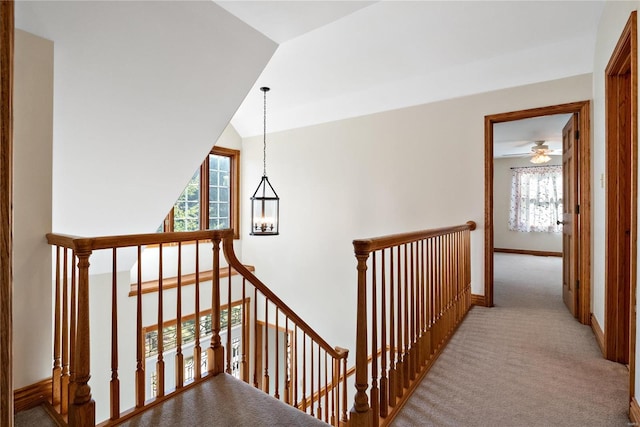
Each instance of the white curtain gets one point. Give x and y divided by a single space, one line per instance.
536 199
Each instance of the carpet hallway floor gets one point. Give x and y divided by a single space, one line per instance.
524 362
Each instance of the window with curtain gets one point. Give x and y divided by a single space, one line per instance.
536 199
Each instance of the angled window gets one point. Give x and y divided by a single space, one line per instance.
211 199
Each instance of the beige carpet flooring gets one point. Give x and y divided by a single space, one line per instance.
223 401
525 362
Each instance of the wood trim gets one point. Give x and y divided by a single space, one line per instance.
634 411
478 300
621 88
187 279
32 395
6 210
582 108
234 196
597 331
527 252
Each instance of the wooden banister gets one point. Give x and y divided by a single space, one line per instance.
419 287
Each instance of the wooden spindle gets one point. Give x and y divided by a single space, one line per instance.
114 385
304 372
64 383
345 420
255 338
215 356
384 384
82 411
73 309
335 391
160 371
245 331
393 377
179 356
287 362
229 349
140 377
294 378
399 348
197 349
413 356
56 373
265 377
406 322
374 392
277 357
326 389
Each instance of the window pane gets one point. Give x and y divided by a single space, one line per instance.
219 191
186 211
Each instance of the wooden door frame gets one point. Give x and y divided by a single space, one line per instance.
583 156
6 211
624 60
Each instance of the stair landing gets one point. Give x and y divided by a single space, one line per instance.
223 401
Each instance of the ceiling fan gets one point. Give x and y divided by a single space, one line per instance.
539 153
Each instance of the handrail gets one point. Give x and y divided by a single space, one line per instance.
240 268
308 374
365 246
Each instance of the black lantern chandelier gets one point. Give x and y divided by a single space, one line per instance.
265 203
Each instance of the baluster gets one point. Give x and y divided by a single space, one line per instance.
265 378
245 332
72 327
179 355
345 420
215 356
255 338
319 412
326 389
426 302
422 310
160 362
57 337
407 360
82 411
287 366
64 383
335 391
413 357
277 385
400 363
229 349
374 393
393 378
384 395
197 350
304 371
115 381
140 378
294 378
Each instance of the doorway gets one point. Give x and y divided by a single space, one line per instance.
580 263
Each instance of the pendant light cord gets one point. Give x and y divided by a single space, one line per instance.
264 148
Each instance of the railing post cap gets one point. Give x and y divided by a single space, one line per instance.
472 225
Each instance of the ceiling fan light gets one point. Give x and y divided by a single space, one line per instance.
540 158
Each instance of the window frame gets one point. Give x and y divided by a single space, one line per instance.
234 192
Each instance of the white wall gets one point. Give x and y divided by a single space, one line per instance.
33 103
369 176
142 92
508 239
614 18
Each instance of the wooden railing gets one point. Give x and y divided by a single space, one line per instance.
249 331
418 288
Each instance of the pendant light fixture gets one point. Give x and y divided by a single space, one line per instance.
265 203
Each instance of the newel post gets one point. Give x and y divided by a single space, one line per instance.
215 356
82 411
361 415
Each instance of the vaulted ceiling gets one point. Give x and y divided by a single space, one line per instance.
345 59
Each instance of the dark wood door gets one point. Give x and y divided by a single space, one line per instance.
570 285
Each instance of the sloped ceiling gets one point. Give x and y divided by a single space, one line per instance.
393 54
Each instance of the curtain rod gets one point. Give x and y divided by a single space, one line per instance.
530 167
